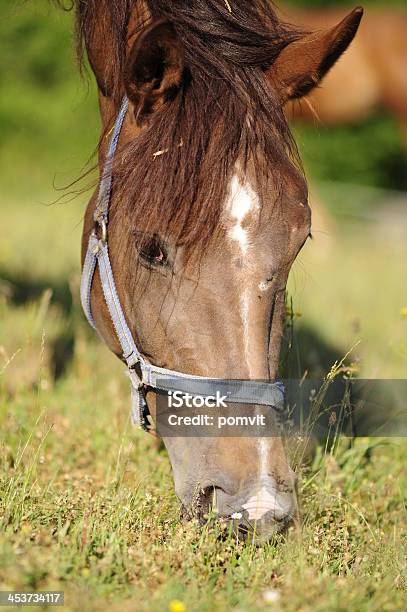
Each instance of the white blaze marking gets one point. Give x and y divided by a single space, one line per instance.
265 500
261 503
244 310
242 201
264 448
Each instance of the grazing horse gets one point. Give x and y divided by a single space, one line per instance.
208 209
371 75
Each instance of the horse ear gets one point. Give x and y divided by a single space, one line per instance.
302 64
154 68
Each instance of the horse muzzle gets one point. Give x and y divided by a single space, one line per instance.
258 513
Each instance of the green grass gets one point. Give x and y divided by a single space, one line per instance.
87 504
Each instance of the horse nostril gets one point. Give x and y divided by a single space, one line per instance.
206 499
217 488
207 494
214 497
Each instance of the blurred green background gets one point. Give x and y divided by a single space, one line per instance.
48 116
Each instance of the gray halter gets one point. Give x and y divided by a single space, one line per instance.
143 375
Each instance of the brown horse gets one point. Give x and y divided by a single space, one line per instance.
371 75
208 212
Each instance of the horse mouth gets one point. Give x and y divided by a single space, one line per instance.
241 522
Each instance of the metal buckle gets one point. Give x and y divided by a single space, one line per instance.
102 224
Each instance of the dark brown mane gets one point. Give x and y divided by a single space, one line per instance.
226 111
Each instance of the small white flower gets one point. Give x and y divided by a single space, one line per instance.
271 596
236 515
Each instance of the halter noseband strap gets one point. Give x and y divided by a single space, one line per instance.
142 374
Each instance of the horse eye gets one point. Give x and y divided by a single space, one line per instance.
152 251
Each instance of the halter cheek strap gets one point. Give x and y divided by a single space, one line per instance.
144 375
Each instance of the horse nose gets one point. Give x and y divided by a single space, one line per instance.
262 530
262 513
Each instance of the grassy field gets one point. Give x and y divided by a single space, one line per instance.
86 503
